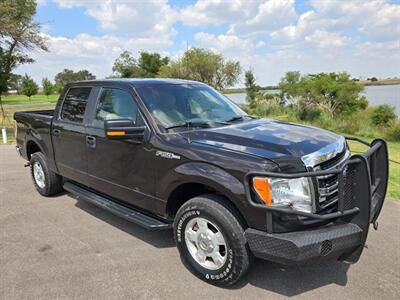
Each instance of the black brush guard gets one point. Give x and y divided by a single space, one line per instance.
362 185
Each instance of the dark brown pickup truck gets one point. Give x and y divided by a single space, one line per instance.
177 154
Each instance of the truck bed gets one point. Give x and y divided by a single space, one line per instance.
35 126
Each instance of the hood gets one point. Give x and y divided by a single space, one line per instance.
266 138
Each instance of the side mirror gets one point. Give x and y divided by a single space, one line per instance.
124 129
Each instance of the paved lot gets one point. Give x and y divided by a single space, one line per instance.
59 247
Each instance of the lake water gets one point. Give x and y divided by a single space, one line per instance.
376 95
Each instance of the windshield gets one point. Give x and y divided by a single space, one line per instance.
174 106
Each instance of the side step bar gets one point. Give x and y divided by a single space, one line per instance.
127 213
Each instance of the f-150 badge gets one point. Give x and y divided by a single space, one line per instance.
168 155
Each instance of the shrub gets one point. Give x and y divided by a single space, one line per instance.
363 102
308 113
266 105
393 133
383 115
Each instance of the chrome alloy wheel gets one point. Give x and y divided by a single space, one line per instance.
205 243
38 174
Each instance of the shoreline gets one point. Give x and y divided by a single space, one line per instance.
364 83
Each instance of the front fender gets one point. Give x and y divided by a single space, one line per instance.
208 175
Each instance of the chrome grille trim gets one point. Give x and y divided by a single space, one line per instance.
328 185
326 153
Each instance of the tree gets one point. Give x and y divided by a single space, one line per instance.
148 65
29 86
48 87
58 87
66 76
251 87
173 70
289 85
335 93
126 66
204 66
18 34
14 83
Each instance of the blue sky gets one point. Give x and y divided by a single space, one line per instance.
269 36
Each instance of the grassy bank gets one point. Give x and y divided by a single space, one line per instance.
387 81
243 90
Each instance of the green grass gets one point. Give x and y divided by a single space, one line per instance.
21 99
12 104
394 165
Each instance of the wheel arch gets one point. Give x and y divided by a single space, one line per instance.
195 179
32 147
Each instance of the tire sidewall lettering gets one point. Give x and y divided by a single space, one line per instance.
182 220
226 270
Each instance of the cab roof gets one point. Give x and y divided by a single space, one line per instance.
136 82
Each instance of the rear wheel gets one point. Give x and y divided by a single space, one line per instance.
47 182
211 240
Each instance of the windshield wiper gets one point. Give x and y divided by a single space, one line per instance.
189 125
237 118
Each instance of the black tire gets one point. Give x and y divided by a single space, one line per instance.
52 181
214 209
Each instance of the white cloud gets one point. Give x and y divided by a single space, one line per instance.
230 44
325 39
377 19
133 18
271 15
217 12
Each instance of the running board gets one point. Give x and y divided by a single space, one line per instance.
127 213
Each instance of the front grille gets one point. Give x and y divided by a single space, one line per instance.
330 163
328 185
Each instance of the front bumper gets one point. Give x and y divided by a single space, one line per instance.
362 184
300 246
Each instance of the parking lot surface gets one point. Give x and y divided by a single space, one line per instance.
61 248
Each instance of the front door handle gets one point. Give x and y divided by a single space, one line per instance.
56 132
91 141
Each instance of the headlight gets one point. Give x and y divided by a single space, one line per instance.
292 193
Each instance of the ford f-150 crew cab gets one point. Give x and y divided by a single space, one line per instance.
177 154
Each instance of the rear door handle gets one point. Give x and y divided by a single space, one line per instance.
56 132
91 141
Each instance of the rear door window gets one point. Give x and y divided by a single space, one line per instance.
73 109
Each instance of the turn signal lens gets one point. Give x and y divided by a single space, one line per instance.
115 133
261 186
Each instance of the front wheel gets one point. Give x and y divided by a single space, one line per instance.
211 241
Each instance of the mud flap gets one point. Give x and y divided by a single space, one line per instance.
365 182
